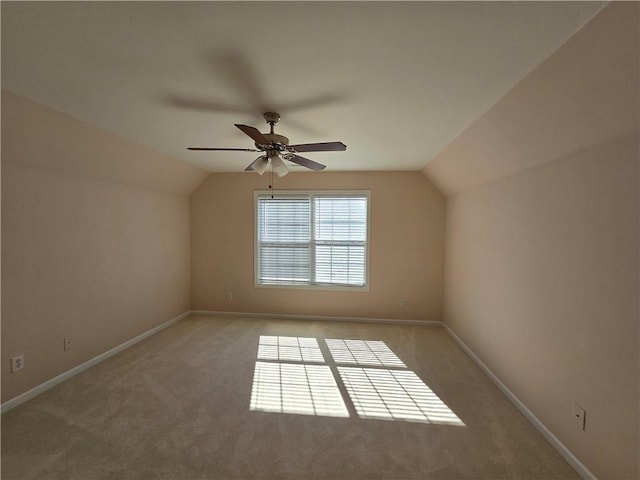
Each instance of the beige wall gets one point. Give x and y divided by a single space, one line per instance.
406 247
542 284
541 267
92 248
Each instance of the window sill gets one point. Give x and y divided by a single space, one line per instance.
321 287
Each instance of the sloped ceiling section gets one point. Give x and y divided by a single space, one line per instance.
584 95
395 81
37 136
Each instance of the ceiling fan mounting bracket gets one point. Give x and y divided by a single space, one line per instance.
271 117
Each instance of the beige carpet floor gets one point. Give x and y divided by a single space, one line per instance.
221 398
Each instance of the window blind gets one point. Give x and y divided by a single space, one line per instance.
340 233
283 240
312 239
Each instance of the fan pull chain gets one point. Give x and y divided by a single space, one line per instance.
271 182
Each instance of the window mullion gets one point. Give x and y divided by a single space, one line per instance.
312 240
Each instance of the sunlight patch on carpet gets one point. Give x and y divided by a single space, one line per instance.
291 375
300 349
387 394
363 352
296 388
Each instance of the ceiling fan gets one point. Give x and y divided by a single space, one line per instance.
277 149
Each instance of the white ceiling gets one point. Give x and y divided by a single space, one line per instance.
394 81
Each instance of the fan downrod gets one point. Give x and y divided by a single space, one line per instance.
277 143
271 118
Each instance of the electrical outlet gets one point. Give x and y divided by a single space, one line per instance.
67 343
403 302
229 295
17 363
579 416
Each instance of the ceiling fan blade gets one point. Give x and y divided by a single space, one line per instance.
319 147
305 162
254 133
225 149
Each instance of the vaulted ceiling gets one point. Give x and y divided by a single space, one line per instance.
395 81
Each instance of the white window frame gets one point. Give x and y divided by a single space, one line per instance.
310 194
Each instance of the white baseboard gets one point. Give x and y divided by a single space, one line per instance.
560 447
322 318
28 395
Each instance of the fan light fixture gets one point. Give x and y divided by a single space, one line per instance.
261 165
278 165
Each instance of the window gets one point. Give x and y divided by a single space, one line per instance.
312 239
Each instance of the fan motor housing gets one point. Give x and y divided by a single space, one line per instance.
274 138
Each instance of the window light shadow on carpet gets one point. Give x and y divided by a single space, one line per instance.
291 376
